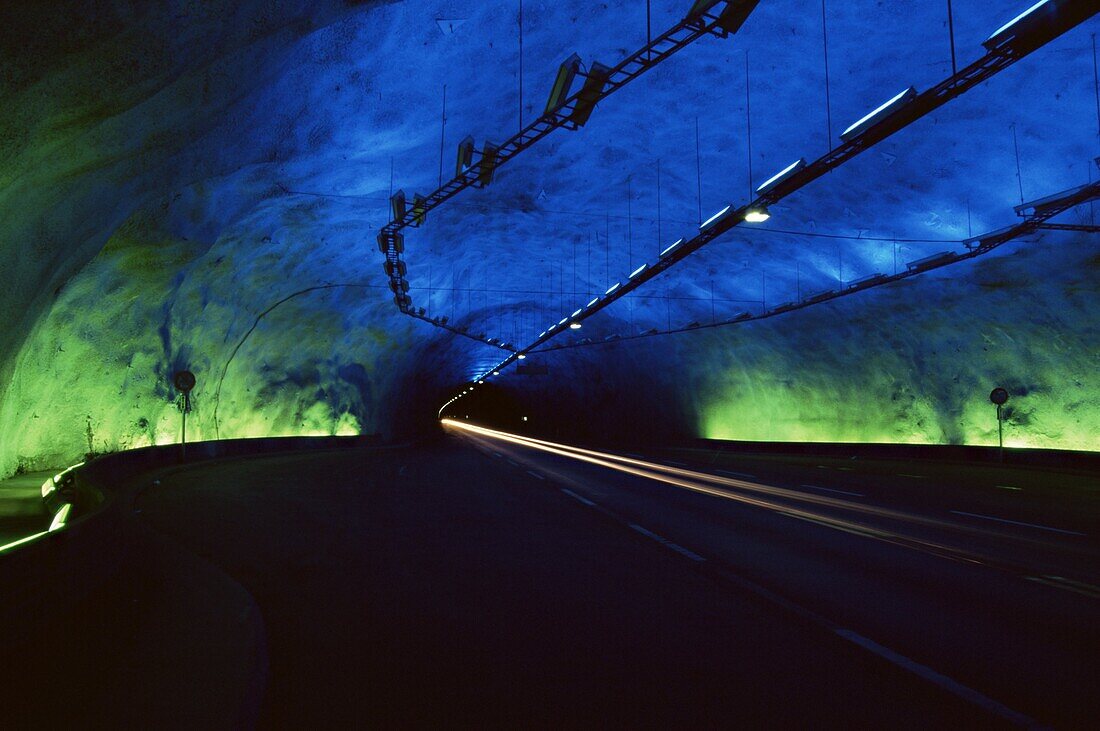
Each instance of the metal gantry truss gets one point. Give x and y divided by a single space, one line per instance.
977 246
712 19
1068 15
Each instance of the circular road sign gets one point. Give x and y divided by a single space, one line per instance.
998 396
184 380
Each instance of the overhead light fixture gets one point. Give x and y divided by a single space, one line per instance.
567 72
613 287
1020 24
574 326
784 174
594 82
465 156
757 214
699 8
638 271
420 209
1042 205
397 205
490 156
594 301
543 333
579 311
563 320
496 373
880 114
520 356
481 381
734 15
672 248
715 218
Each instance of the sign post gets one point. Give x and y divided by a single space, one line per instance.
184 381
999 396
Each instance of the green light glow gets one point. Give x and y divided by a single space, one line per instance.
14 544
61 516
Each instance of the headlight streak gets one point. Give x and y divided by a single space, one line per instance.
695 481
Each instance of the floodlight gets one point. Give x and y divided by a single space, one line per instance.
1010 30
1047 203
715 218
784 174
574 326
638 271
567 72
520 356
930 261
672 248
594 83
397 205
420 209
465 156
699 8
735 14
880 114
757 214
496 373
490 156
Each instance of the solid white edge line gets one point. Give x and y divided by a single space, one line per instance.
938 679
1016 522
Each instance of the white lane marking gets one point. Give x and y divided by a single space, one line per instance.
498 455
829 489
736 474
513 463
823 467
535 474
1009 487
1016 522
667 543
915 477
575 496
927 673
847 469
675 464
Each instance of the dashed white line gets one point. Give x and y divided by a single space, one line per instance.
513 463
935 678
916 477
498 455
1009 487
581 498
728 473
1016 522
675 464
535 474
667 543
839 492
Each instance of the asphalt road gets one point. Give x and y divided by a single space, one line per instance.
483 582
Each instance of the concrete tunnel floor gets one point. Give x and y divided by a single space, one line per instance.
433 585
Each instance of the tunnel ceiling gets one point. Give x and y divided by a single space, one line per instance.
199 185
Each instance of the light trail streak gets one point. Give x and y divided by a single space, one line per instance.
764 496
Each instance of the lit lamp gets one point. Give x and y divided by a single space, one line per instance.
757 214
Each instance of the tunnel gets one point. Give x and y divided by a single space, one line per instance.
549 363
